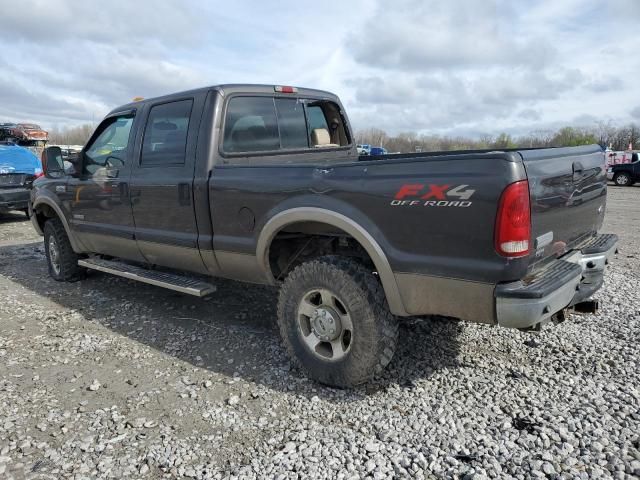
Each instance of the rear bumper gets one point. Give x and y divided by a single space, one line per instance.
14 198
567 281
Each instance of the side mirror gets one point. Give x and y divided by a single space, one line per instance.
52 164
73 163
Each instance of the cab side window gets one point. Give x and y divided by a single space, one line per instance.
165 135
109 148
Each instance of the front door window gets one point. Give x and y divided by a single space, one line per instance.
108 152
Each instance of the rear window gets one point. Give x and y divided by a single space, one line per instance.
251 125
265 124
293 127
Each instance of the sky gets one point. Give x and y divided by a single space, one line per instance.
437 67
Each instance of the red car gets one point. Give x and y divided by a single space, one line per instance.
28 132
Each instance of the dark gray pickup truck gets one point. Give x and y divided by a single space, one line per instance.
263 184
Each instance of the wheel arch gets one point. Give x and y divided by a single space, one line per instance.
339 221
43 209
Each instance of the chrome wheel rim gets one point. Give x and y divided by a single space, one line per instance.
325 324
623 180
54 255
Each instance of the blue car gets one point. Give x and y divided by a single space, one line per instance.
378 151
19 167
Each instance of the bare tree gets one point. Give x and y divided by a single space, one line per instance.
71 135
605 133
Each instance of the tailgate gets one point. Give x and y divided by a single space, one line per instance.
568 191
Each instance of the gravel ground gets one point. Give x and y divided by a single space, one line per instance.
108 378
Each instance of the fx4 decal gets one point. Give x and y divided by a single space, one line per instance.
432 195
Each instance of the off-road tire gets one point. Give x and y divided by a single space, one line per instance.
69 270
375 329
618 176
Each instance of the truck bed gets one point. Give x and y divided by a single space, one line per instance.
567 191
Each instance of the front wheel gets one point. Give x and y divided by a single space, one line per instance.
335 321
61 259
622 180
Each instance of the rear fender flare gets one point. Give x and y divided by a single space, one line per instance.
320 215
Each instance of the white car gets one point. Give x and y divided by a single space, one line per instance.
364 149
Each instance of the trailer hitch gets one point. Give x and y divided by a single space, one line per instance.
587 306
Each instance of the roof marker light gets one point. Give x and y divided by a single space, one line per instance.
284 89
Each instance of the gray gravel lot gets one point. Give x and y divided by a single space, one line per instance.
108 378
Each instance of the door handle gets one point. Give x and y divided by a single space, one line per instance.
134 196
323 171
184 194
578 169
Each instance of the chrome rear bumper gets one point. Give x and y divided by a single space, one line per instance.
567 281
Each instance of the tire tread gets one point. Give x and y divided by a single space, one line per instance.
69 269
367 288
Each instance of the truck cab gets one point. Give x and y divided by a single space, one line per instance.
140 188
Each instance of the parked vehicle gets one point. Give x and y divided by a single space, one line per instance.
378 151
6 131
625 174
364 149
28 132
27 135
264 184
18 168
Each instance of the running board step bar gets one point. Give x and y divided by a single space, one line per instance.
171 281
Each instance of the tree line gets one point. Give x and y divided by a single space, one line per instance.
78 135
605 134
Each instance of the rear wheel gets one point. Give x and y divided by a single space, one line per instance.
61 259
335 322
622 180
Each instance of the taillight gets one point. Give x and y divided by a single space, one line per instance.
513 222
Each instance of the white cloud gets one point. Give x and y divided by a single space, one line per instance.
423 35
427 65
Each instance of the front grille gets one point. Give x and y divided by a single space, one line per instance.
12 179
